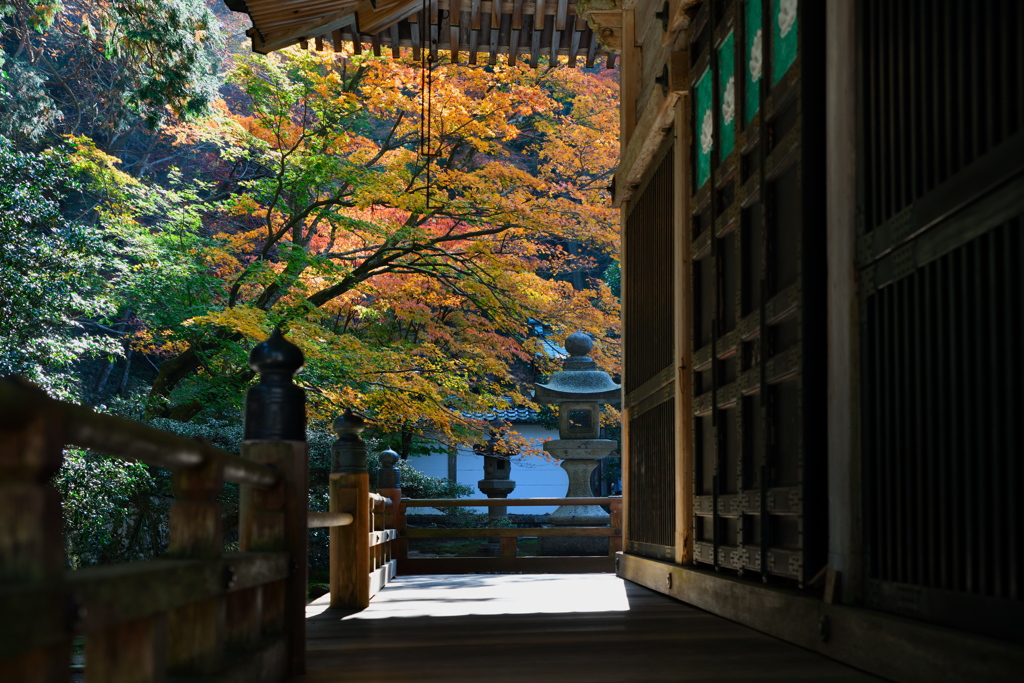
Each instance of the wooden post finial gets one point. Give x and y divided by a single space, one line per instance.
275 409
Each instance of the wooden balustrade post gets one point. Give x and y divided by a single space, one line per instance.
195 632
350 492
31 528
401 528
274 520
615 542
389 485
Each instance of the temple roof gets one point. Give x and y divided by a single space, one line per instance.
460 29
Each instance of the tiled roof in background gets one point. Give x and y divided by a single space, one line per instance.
508 415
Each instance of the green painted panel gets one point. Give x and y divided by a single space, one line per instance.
753 58
703 128
784 43
727 88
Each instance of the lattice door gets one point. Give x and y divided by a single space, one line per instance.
940 253
757 291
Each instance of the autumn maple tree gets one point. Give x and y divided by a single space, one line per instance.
413 299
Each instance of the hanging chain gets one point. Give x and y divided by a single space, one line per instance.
427 59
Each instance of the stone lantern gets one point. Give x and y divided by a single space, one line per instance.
497 482
578 390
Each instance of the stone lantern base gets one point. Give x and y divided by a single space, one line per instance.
579 458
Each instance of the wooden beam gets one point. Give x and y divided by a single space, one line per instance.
541 532
629 80
319 26
501 502
651 130
893 647
376 19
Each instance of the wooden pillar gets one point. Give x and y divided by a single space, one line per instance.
683 332
31 529
843 324
274 519
350 492
615 542
626 453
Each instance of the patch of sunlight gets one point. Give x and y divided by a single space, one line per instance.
489 594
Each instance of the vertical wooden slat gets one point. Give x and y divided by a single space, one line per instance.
195 632
927 416
978 554
538 28
891 66
128 652
1013 312
996 287
945 440
454 21
900 137
243 619
414 34
574 48
495 32
396 42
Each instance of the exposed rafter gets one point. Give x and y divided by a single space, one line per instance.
473 30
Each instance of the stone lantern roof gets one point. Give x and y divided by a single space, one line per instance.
579 379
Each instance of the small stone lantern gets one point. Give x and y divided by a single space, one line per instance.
578 390
497 482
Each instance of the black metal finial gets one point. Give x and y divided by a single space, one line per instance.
276 357
349 452
388 476
275 409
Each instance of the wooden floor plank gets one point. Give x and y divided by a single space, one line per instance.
538 628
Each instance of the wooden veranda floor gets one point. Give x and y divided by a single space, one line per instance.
536 628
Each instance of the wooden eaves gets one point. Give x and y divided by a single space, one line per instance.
472 29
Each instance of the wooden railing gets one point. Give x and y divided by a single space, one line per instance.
507 559
362 552
198 610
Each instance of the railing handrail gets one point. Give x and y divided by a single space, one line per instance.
324 520
377 498
502 502
123 438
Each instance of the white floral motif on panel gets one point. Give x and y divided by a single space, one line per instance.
787 16
755 58
729 101
706 133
